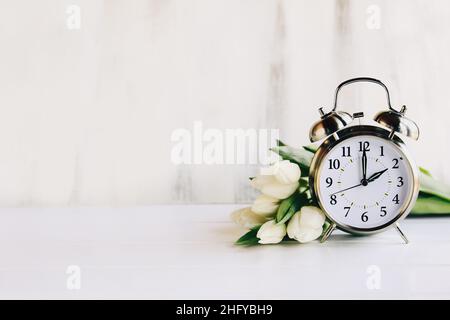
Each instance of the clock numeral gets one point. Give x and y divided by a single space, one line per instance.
364 217
383 212
364 146
381 151
395 199
395 161
348 210
400 182
329 181
333 199
334 164
346 152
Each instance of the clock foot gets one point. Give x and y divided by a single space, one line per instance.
328 232
397 227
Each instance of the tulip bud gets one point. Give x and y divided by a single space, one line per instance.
270 186
271 232
265 206
246 218
286 172
312 216
306 225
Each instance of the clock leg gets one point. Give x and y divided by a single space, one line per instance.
397 227
328 232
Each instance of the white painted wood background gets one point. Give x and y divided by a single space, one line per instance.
87 114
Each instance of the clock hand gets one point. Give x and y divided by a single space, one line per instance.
372 178
346 189
376 175
364 168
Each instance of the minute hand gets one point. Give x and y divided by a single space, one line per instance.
364 165
346 189
376 175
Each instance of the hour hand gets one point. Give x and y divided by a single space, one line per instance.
376 175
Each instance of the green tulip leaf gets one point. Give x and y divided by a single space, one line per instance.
293 209
304 185
250 238
311 148
284 207
430 205
299 200
425 171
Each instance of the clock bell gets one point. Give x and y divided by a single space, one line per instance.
392 119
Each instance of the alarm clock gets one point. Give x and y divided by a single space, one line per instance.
362 176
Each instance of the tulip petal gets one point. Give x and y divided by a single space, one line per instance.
306 227
312 217
265 205
293 226
246 218
271 232
306 234
260 181
278 190
287 172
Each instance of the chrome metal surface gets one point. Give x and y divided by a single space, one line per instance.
397 122
328 232
362 79
402 234
328 124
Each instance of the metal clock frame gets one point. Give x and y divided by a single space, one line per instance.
354 131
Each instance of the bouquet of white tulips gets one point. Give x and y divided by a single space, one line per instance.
286 211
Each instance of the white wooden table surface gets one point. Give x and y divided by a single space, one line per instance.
187 252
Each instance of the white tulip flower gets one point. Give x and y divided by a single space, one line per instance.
286 172
265 206
271 232
306 225
246 218
270 186
312 216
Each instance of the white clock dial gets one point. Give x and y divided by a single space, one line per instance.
365 200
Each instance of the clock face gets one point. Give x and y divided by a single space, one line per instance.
365 182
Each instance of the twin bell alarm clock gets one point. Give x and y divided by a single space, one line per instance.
362 176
